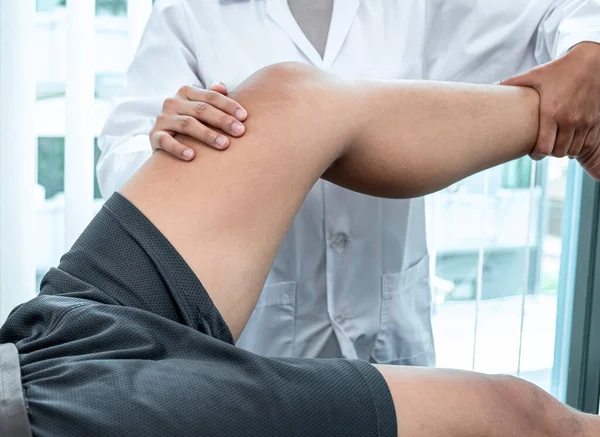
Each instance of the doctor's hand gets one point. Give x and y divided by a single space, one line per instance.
569 88
195 112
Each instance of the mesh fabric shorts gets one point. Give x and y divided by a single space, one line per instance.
124 340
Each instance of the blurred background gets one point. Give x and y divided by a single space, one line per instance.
503 286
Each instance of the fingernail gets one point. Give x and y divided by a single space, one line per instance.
237 127
240 114
537 156
221 141
187 154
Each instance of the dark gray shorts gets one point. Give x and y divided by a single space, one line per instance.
124 340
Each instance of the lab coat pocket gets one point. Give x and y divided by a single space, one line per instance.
270 330
405 336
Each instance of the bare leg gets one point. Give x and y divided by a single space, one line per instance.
439 402
227 213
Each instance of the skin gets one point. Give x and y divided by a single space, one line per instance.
569 109
570 101
201 114
303 126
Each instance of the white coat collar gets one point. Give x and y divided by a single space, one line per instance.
342 16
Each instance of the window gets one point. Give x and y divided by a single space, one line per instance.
51 166
103 7
497 248
517 174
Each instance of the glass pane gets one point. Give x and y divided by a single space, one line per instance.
111 7
103 7
50 117
496 276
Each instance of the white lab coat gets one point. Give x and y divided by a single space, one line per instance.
352 276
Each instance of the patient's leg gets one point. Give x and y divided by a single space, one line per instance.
227 213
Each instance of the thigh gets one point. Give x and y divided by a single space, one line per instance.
189 384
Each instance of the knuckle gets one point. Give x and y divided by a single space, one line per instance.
153 139
161 120
170 104
590 141
225 120
589 122
158 140
550 111
162 141
184 123
209 136
184 91
201 107
545 149
570 119
211 95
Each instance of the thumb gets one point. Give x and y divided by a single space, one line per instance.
525 79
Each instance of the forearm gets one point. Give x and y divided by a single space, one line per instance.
413 138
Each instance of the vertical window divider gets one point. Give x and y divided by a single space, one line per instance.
79 138
527 273
480 264
138 12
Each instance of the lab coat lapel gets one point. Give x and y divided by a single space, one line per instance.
280 13
342 17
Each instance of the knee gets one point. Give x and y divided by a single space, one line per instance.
286 83
533 411
286 74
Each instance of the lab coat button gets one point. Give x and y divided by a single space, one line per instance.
338 241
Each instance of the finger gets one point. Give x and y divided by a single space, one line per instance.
528 79
578 142
546 137
215 99
211 116
219 87
162 140
592 141
564 139
187 125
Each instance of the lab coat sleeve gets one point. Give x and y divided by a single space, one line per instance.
568 23
164 61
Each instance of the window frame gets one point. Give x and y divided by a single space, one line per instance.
583 375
